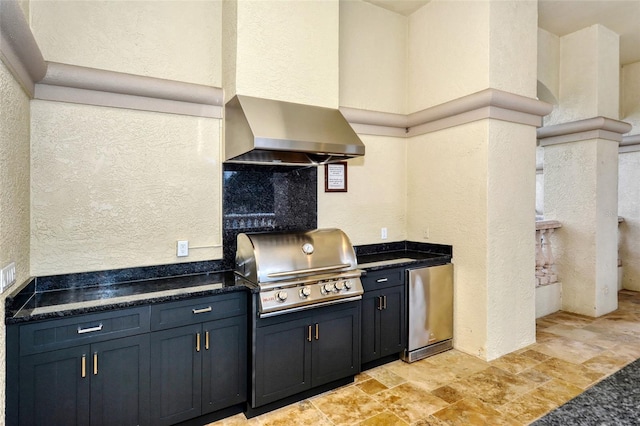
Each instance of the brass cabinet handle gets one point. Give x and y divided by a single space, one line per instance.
384 298
317 331
206 340
309 335
379 303
83 366
202 311
197 342
95 363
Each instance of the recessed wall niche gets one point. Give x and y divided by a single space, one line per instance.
260 198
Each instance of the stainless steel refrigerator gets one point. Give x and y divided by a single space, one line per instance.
429 311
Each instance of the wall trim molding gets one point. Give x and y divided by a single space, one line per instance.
90 86
488 103
53 81
581 130
18 48
630 143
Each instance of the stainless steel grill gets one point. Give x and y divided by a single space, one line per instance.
299 270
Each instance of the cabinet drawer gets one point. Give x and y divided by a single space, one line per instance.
382 279
79 330
192 311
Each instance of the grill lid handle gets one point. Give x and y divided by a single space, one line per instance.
309 271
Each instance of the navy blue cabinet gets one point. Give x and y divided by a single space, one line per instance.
198 368
296 352
104 381
383 314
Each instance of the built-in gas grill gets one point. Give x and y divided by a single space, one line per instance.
299 270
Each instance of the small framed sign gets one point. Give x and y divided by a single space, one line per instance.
335 177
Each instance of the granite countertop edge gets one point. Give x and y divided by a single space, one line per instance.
24 313
21 309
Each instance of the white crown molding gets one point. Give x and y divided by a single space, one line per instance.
18 48
581 130
488 103
90 86
630 143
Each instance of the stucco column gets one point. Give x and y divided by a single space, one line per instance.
581 139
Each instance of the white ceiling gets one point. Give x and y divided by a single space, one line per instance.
562 17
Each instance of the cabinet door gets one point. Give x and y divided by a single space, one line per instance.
54 387
120 381
283 363
371 304
224 363
176 374
336 345
392 321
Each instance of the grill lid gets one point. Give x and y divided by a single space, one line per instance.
272 257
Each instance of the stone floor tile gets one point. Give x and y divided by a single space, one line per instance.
527 408
385 418
494 386
347 406
557 391
410 401
301 414
569 349
573 373
473 412
514 363
371 386
384 375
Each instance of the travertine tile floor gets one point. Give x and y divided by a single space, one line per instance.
572 353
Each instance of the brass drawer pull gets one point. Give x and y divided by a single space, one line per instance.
83 366
90 329
202 311
382 280
95 363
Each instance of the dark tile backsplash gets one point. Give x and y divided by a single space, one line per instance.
259 198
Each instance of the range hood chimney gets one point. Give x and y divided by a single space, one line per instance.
264 131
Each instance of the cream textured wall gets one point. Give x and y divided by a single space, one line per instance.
14 193
175 40
446 194
581 192
376 195
511 228
460 190
448 52
589 76
512 49
288 50
630 99
229 47
373 58
113 188
548 66
629 209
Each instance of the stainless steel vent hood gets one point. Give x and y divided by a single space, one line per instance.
264 131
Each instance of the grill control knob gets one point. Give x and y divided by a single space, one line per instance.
340 285
281 296
347 285
305 292
328 287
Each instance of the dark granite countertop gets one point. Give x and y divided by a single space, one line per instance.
31 305
401 258
402 254
83 293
